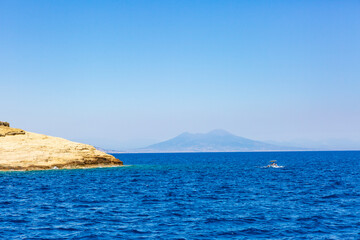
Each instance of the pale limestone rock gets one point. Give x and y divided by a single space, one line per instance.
21 150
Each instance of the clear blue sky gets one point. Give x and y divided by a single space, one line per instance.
125 73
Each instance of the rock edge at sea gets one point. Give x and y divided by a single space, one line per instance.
21 150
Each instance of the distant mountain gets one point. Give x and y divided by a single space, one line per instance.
322 145
214 141
109 151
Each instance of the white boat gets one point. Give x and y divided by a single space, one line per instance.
273 164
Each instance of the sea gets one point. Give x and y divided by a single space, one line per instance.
315 195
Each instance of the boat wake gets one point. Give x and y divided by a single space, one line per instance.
273 164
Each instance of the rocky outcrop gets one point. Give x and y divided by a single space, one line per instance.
5 124
8 131
22 150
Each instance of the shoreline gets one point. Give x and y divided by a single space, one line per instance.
259 151
61 168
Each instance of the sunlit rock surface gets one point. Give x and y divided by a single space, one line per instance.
21 150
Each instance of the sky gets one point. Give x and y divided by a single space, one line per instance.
123 74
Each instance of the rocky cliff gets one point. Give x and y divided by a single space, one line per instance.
22 150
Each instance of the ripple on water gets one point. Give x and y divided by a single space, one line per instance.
188 196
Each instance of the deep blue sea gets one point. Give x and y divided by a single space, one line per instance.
188 196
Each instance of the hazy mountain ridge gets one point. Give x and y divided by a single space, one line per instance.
214 141
109 151
322 145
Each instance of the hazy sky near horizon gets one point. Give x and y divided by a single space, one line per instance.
123 74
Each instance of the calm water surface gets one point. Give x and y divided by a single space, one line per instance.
188 196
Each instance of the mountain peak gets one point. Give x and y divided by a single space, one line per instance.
217 140
219 132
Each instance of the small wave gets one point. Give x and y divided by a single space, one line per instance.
137 231
248 231
18 221
334 196
272 167
69 229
